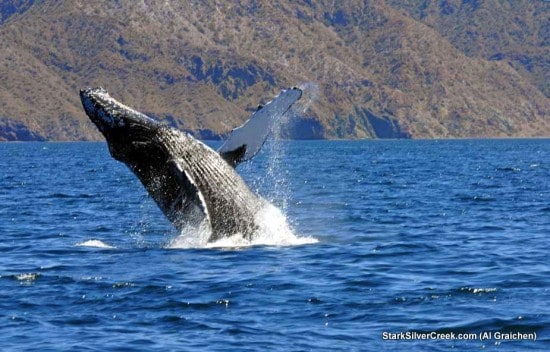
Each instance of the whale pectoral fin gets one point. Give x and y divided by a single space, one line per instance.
191 195
245 141
235 156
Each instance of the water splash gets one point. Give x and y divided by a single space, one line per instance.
192 237
278 191
94 244
273 230
27 277
310 92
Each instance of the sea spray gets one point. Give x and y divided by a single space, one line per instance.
276 186
309 96
192 237
273 230
94 244
145 232
277 171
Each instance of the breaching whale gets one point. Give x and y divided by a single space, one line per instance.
190 182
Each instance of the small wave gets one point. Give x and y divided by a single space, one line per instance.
483 198
67 196
509 169
475 198
119 285
94 244
524 324
27 277
273 230
480 290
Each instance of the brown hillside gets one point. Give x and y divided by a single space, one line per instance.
381 71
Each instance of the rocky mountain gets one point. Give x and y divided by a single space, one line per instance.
515 31
374 69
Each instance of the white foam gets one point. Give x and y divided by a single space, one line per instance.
273 230
94 243
192 237
27 277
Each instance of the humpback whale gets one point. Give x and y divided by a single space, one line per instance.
190 182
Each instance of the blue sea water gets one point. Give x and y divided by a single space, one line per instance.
432 237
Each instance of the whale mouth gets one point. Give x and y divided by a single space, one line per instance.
109 115
126 130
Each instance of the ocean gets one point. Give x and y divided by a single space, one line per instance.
396 245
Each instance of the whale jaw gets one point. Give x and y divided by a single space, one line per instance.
108 114
124 128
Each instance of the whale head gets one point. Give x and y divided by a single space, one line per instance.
143 144
124 128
